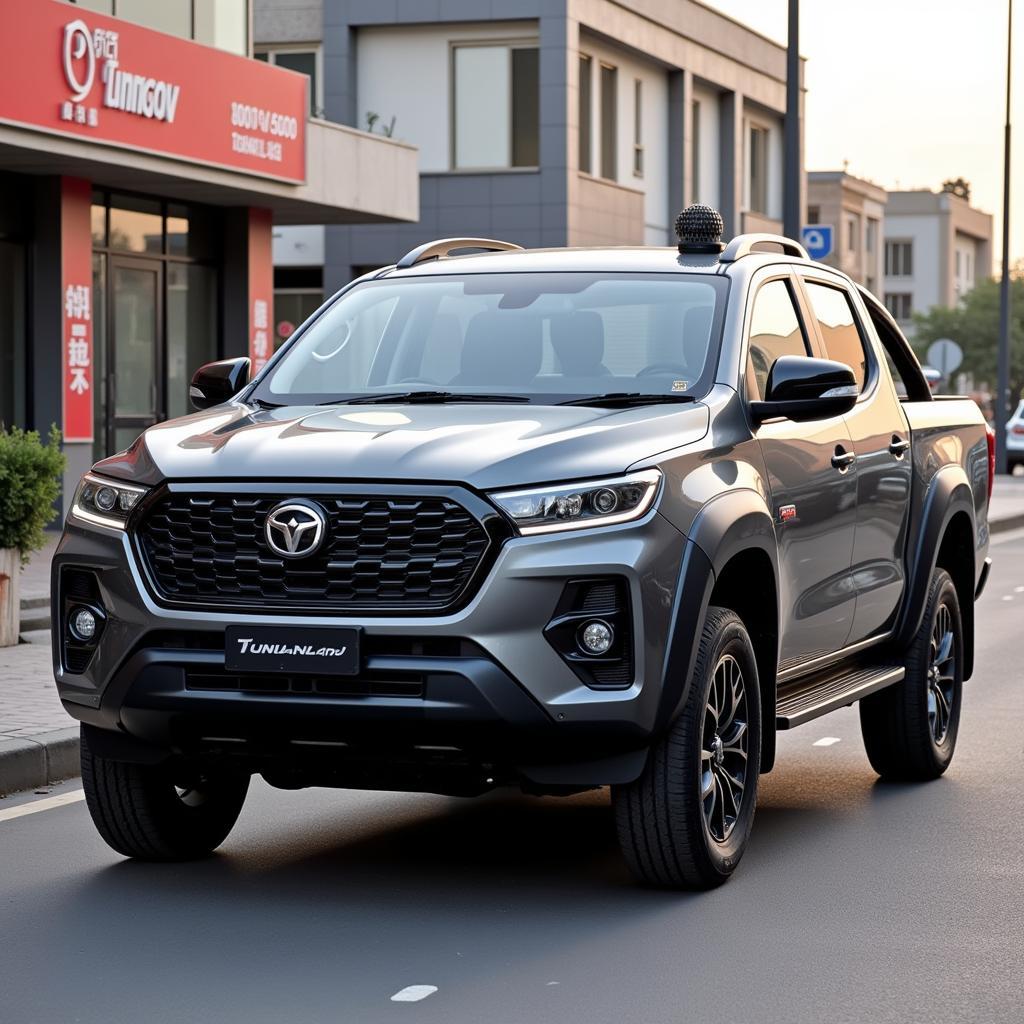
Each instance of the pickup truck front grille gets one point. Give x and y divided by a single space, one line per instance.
379 553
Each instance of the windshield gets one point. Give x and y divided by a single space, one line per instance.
540 337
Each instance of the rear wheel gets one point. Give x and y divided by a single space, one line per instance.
685 822
910 729
155 812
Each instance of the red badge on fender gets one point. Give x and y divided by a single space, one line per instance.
787 512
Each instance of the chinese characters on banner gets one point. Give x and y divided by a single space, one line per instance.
261 288
260 335
77 338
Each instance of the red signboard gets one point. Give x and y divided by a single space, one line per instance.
68 71
76 294
261 287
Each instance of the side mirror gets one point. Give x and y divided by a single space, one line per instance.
217 382
801 388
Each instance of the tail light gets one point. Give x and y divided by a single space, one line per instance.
990 436
1017 428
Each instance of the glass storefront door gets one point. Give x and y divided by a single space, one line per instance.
135 348
156 274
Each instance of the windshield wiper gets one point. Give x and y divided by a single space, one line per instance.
426 397
626 398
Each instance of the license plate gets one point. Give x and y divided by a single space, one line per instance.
307 650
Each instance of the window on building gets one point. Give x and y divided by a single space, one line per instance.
609 122
586 113
638 128
496 105
774 331
220 23
757 139
899 259
838 327
695 153
304 59
172 16
813 214
871 235
899 304
852 232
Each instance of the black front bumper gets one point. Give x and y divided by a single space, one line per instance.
471 727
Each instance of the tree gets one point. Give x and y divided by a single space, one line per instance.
974 326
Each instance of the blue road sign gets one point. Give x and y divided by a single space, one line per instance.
817 239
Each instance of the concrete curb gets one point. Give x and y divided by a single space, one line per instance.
29 762
1006 524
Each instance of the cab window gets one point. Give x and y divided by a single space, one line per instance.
838 328
775 330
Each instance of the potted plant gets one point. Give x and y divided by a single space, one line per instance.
30 481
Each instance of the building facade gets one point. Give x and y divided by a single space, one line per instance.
937 247
543 122
855 210
145 159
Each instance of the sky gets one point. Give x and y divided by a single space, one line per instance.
909 92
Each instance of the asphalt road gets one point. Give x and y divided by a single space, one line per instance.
857 901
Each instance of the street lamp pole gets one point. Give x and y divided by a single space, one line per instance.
1001 410
791 212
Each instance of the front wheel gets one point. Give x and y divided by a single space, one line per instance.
684 823
910 729
155 812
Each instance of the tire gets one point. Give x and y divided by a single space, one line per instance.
152 812
667 836
910 729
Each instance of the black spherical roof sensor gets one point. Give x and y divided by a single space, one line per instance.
699 228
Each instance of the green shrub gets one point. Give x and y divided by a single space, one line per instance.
30 480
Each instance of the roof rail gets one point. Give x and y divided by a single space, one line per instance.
744 245
446 246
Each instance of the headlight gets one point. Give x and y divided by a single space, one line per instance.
578 506
105 502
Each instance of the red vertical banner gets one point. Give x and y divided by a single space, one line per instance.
261 287
77 298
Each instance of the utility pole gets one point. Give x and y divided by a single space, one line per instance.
792 215
1001 412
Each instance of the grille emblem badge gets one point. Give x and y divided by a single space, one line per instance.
295 530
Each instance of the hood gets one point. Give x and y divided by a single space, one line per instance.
484 446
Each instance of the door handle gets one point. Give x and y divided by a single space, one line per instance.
899 446
843 460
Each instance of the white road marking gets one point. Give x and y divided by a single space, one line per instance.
1007 597
413 993
33 806
1018 590
825 741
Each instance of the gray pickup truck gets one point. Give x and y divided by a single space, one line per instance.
550 519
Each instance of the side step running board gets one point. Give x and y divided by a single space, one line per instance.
823 692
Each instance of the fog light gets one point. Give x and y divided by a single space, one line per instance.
105 498
83 624
596 637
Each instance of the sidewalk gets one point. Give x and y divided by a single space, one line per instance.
39 742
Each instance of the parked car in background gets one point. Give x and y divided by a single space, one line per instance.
1015 438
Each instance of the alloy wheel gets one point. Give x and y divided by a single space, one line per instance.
723 755
941 674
